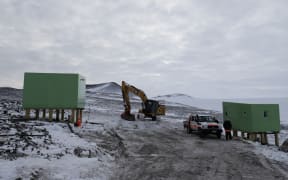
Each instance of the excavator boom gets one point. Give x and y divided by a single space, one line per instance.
127 105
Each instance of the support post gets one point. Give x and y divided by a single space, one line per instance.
77 114
57 114
81 112
263 139
44 114
72 120
62 114
276 139
27 114
242 135
266 138
50 114
235 133
37 114
252 136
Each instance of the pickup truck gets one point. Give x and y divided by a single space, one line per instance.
203 125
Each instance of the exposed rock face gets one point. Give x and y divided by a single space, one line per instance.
284 146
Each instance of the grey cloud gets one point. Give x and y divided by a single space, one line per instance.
166 45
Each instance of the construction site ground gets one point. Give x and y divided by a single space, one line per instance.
167 152
107 147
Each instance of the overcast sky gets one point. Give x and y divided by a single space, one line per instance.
208 49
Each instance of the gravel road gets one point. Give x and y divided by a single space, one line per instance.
164 151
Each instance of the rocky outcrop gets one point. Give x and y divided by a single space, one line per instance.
284 146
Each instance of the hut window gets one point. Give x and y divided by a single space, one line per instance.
245 114
226 113
265 113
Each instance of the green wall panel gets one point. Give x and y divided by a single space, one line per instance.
53 90
252 117
266 117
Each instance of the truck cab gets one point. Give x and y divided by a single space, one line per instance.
203 125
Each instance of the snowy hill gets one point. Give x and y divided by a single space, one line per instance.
10 93
175 95
211 104
110 87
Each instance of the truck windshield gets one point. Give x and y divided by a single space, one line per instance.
205 119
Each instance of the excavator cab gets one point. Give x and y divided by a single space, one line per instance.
150 108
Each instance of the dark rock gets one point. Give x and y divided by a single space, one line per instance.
78 151
284 146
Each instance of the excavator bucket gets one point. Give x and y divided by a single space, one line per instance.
128 116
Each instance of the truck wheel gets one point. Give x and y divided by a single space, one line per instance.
219 135
203 134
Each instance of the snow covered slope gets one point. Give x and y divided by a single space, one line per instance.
191 101
10 93
110 87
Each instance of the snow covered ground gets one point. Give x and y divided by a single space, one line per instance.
94 151
59 155
269 151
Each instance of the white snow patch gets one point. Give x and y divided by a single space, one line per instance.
106 88
68 167
271 152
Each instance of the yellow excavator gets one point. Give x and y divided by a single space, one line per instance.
150 108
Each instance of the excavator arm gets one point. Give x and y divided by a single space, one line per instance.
150 108
126 88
